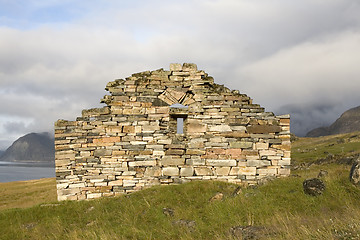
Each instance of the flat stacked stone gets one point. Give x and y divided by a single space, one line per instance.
133 143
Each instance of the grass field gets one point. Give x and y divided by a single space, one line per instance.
276 210
27 193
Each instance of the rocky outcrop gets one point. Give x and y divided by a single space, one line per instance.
355 173
348 122
248 232
168 127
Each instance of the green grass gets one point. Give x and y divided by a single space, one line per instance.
279 207
306 150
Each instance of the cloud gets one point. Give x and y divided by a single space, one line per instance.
305 118
314 73
286 56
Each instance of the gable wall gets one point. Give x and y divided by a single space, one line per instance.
132 143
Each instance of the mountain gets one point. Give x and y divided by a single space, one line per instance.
1 153
349 121
33 147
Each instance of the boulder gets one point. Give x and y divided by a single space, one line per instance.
185 223
322 173
247 232
313 186
168 212
355 173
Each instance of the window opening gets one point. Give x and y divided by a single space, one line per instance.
179 113
179 125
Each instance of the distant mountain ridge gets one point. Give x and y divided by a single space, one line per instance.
33 147
349 121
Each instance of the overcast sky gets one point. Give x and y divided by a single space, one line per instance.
297 57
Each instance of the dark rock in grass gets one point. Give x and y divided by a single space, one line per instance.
247 232
29 226
313 186
322 173
168 212
355 173
185 223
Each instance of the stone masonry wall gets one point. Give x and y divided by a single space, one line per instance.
133 143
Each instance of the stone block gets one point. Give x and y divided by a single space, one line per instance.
152 171
195 162
203 171
285 162
102 152
243 171
116 183
235 134
220 163
142 163
189 67
284 171
186 171
69 191
175 67
195 152
170 171
222 170
172 161
129 183
264 129
269 152
266 171
128 129
93 195
196 128
150 128
241 144
234 152
77 185
106 140
253 163
175 152
158 153
220 128
238 128
260 145
264 163
284 121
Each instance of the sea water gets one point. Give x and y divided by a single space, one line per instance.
10 172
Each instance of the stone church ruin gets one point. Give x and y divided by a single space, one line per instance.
168 127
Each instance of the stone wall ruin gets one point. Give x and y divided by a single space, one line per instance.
168 127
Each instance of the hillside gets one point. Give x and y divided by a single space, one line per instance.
348 122
276 210
33 147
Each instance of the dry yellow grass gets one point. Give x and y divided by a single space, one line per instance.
24 194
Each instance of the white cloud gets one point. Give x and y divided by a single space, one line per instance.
323 71
53 69
310 71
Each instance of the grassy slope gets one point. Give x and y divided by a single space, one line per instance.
27 193
279 206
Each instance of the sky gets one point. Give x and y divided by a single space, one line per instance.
296 57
